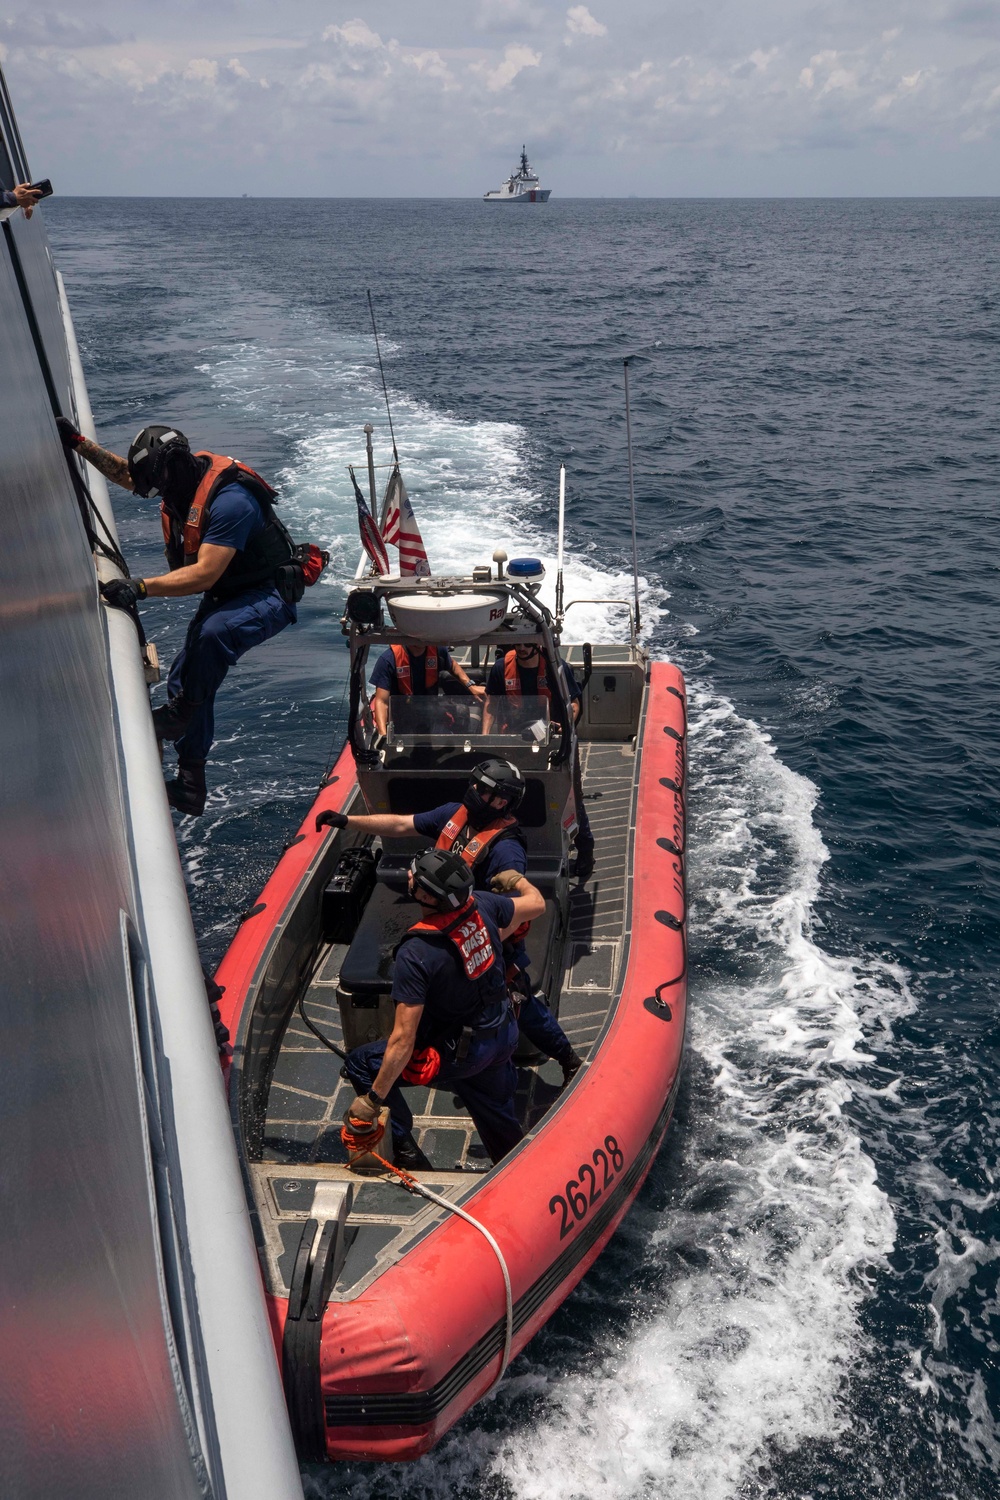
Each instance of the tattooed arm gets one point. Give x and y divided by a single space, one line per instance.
105 462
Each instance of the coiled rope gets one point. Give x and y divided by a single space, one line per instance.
364 1140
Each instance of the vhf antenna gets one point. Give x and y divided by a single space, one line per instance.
378 351
562 536
631 496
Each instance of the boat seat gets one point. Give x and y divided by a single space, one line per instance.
367 969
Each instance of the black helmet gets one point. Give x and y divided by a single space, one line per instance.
493 778
444 876
146 456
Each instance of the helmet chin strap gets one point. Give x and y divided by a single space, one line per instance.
480 813
176 496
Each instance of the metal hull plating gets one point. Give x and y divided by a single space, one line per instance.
117 1379
541 195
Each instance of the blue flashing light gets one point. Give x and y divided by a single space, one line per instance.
525 567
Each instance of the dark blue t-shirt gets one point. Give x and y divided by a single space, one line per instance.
429 972
384 674
505 852
529 681
233 518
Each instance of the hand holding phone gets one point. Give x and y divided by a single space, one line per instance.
44 188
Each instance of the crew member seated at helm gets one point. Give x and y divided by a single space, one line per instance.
454 1024
523 673
483 830
414 669
222 540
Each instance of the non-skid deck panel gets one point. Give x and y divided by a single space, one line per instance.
308 1096
596 911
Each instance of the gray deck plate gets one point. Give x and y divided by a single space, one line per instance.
308 1097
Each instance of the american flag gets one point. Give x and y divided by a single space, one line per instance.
370 538
400 528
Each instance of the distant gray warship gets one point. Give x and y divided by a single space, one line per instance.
521 186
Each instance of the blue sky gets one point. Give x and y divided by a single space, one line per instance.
434 97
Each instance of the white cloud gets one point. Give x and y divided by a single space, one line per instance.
354 34
579 22
440 90
516 58
47 28
499 16
432 64
202 70
762 60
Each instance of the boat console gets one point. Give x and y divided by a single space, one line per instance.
432 745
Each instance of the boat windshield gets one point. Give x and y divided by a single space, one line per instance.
495 721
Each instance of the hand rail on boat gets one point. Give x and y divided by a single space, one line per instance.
620 603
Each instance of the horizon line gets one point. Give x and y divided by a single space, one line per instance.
567 198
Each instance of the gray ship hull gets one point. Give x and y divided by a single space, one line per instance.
536 195
138 1359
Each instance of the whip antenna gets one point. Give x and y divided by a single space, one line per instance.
378 351
562 533
631 496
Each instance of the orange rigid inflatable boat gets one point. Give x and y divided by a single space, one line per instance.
391 1311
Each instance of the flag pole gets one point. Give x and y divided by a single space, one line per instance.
631 496
562 532
369 429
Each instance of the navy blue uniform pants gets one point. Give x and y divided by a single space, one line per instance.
542 1029
216 638
484 1080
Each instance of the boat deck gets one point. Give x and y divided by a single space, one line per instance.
308 1097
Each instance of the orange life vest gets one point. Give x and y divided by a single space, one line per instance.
471 849
512 677
469 934
220 471
404 679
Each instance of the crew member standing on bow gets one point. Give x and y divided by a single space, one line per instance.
454 1024
522 673
414 669
483 830
223 540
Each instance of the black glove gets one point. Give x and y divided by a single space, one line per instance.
71 438
330 819
122 593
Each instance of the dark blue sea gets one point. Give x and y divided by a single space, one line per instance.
804 1301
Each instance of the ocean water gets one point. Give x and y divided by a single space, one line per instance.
804 1301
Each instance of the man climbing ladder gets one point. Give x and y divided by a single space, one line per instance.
222 539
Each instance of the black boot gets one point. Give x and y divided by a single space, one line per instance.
571 1065
187 794
173 718
583 866
408 1155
